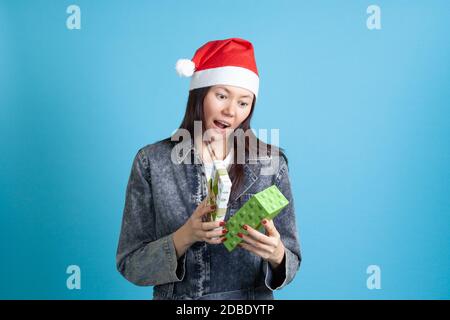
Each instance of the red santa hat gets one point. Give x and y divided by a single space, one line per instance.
228 62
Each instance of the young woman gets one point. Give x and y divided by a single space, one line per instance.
165 240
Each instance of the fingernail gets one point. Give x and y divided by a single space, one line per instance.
264 221
244 226
224 231
224 239
222 223
240 235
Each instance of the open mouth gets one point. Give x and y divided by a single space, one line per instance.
221 124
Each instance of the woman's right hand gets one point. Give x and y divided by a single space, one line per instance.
198 230
195 229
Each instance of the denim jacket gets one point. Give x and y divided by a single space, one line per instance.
161 195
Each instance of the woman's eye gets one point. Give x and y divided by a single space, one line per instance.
221 96
244 104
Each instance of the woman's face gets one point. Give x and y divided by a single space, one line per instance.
225 108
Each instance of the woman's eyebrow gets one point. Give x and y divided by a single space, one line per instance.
228 91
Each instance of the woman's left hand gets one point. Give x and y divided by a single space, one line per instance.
268 246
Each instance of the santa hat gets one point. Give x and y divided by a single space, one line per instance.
228 62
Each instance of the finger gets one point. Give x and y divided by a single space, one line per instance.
270 227
257 244
258 236
212 225
216 240
215 233
203 210
200 206
254 250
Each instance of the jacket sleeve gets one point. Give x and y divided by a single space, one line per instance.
286 226
141 258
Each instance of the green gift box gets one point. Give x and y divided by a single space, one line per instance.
266 204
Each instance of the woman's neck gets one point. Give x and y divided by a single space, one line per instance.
219 149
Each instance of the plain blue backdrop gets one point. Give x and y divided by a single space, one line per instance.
363 115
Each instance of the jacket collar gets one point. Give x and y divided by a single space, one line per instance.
250 178
181 150
251 170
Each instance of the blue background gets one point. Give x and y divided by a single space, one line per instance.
363 115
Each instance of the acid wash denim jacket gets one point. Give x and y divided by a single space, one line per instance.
161 195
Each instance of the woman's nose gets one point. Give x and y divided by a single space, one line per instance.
229 110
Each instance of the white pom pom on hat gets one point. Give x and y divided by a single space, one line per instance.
227 62
185 67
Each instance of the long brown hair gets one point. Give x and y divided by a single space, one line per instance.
194 112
